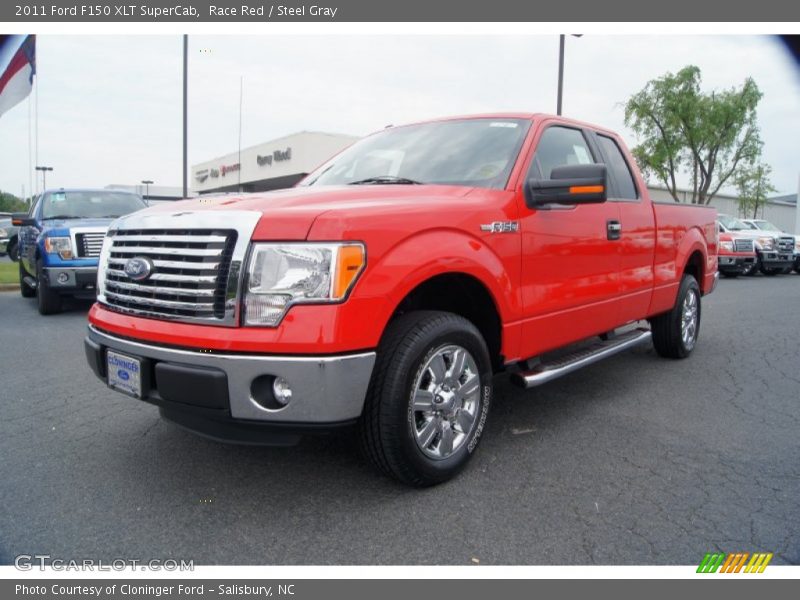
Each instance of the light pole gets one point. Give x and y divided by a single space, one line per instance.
147 183
561 40
44 171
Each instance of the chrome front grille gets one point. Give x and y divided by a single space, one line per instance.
786 244
188 280
741 245
89 244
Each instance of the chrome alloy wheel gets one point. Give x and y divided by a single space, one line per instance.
445 401
689 314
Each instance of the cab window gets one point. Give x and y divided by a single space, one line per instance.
559 147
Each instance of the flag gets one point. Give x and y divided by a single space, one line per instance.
17 68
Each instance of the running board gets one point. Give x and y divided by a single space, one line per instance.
32 283
584 357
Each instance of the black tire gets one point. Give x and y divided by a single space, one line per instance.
388 426
797 267
13 250
770 271
667 332
24 289
752 269
49 301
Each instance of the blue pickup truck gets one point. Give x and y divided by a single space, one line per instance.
60 241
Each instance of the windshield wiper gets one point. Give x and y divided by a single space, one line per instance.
385 179
61 217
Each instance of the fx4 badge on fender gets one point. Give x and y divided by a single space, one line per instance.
501 227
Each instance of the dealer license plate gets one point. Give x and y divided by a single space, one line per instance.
124 373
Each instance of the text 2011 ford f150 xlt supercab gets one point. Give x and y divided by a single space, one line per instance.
386 289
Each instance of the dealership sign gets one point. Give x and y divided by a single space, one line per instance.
277 156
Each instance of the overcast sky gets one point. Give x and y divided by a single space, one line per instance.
110 106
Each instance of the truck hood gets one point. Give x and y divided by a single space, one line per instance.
289 214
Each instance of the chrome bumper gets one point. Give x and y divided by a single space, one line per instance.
325 389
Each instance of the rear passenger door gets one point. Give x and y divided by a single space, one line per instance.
637 229
570 265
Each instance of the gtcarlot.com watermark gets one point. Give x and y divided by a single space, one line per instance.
42 562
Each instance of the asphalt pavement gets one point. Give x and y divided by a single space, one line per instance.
635 460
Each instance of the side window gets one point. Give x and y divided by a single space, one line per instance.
559 147
618 168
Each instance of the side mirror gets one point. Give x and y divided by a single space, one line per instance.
573 184
22 220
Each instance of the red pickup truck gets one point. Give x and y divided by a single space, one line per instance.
388 288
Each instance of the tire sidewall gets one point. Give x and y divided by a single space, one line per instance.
688 283
469 339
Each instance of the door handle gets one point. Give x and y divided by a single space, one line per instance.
613 229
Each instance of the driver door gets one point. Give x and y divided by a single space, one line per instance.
570 261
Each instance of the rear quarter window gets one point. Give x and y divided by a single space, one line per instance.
618 168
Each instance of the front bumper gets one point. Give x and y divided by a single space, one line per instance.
225 395
71 279
734 264
776 259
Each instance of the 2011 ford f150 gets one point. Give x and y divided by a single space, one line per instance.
388 287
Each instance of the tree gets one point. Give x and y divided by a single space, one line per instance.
754 187
10 203
705 137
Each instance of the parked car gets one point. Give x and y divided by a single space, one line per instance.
386 289
766 228
8 238
774 249
60 241
737 254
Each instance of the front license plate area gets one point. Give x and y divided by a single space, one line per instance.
124 373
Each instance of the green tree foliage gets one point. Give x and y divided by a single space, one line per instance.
10 203
707 137
754 188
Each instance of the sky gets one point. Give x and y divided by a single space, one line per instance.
110 107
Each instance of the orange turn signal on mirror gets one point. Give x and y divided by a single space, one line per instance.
350 262
586 189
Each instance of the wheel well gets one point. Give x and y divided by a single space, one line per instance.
463 295
694 267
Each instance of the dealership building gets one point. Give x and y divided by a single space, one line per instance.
269 166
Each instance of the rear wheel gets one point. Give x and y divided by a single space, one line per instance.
13 250
24 289
428 398
49 301
675 333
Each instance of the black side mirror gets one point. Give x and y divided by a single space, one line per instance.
573 184
22 220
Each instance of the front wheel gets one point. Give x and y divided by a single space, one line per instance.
428 399
675 333
49 302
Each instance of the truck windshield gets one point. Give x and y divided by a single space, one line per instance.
732 224
470 152
89 204
766 226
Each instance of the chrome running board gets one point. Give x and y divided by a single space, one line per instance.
544 372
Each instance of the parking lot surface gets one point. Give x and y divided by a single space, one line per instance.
635 460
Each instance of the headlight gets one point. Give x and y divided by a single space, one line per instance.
726 246
281 275
3 233
766 243
59 245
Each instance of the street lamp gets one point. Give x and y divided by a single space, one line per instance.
561 40
147 183
44 171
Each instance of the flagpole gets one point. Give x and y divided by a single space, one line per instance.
36 122
239 171
30 154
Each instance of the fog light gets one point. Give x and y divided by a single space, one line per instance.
63 278
282 391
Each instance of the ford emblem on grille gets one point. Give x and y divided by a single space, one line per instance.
138 268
